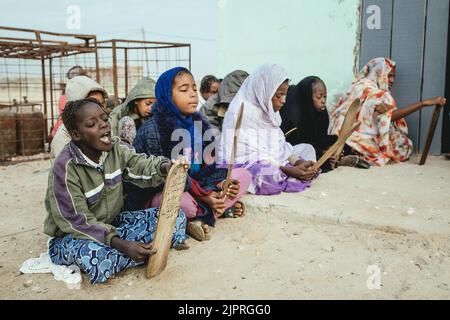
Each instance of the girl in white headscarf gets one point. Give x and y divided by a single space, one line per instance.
276 166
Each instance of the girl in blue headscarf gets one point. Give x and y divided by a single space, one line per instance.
177 129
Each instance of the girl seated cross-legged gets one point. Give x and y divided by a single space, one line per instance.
177 128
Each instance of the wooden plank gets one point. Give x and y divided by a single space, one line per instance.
350 119
407 51
170 206
339 143
376 42
435 64
430 136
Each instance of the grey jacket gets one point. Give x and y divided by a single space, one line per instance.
83 200
144 89
227 90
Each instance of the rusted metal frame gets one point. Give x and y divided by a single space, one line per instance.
81 36
24 51
141 42
97 68
72 54
33 41
44 88
37 56
44 44
152 48
126 71
12 48
17 55
36 43
51 92
189 57
36 52
115 83
141 48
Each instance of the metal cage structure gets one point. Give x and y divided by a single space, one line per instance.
124 62
34 65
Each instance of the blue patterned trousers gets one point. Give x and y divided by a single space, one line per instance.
100 261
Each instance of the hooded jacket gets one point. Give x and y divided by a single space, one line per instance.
144 89
227 90
76 89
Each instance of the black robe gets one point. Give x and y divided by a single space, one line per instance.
312 125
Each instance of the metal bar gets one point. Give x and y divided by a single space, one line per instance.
189 57
48 32
126 72
141 41
145 48
116 89
37 51
44 88
43 44
146 54
51 92
32 40
97 69
35 43
71 54
28 52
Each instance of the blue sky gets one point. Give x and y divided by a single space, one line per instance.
187 21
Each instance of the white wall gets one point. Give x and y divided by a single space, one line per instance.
307 37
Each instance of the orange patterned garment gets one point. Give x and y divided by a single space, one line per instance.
379 139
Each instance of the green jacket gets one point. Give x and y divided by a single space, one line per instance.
144 89
83 199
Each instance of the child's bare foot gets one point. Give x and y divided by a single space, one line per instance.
354 161
182 246
207 231
198 230
205 228
238 209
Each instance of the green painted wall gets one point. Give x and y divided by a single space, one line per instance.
307 37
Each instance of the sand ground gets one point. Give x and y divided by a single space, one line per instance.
326 243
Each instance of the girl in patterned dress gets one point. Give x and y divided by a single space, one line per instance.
383 134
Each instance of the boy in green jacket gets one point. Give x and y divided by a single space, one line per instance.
85 197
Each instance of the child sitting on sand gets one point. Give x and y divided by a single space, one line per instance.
173 114
84 198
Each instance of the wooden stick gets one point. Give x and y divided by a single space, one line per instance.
339 143
233 151
287 134
170 206
431 131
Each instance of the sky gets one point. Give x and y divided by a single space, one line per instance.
186 21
